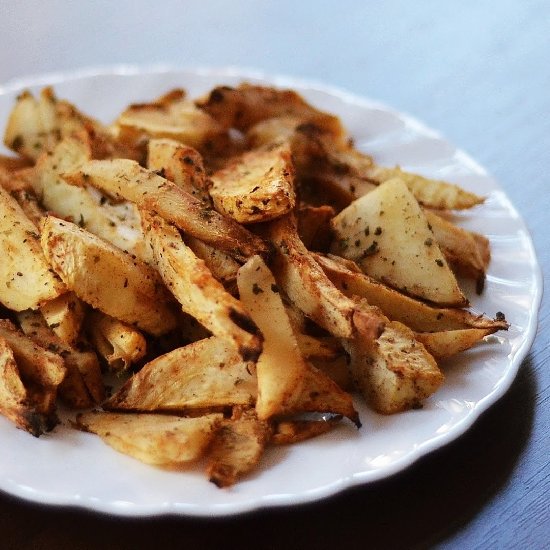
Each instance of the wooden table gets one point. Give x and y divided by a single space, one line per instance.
478 71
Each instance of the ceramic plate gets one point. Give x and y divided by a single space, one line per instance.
74 468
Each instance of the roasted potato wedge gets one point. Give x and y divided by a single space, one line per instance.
27 280
256 187
450 342
107 278
288 432
196 289
65 315
125 179
202 375
162 440
388 235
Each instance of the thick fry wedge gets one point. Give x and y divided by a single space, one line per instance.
204 375
126 179
388 235
119 344
196 289
162 440
417 315
288 432
64 315
82 386
180 164
256 187
237 448
170 116
448 343
248 104
429 192
287 383
107 278
27 280
305 283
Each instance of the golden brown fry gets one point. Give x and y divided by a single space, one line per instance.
162 440
395 373
180 164
82 386
196 289
417 315
387 233
27 280
237 448
288 432
107 278
446 344
286 382
312 347
64 315
125 179
204 375
305 283
248 104
314 226
170 116
257 186
119 344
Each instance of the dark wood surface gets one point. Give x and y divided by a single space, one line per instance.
478 71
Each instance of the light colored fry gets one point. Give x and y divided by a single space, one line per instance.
204 375
64 315
446 344
387 233
126 179
27 280
162 440
107 278
196 289
119 344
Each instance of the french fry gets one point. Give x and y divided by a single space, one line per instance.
204 375
255 187
162 440
387 233
237 448
27 280
82 386
119 344
448 343
107 278
297 386
288 432
125 179
198 292
65 315
416 314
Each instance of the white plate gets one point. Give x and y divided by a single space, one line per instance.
74 468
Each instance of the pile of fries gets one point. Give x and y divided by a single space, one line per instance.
238 264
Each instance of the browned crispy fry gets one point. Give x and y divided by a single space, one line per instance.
305 283
82 386
288 432
107 278
448 343
162 440
196 289
119 344
257 186
314 226
180 164
237 448
170 116
125 179
204 375
248 104
11 164
417 315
